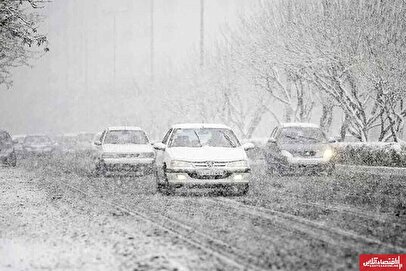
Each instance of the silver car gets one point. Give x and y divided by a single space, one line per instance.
7 152
297 147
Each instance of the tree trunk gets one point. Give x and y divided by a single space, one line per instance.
326 117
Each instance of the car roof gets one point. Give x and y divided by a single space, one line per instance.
299 124
19 136
119 128
199 125
37 135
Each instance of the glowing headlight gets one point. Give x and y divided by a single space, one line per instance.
241 163
109 155
328 154
181 164
286 154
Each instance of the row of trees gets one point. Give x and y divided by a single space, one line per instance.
334 55
345 53
18 35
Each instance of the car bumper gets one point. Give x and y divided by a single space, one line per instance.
128 164
295 164
199 179
299 161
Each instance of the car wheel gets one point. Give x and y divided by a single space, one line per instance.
12 160
99 170
330 170
243 190
272 169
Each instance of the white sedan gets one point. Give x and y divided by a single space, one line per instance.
124 149
202 155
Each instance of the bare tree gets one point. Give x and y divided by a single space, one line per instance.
18 33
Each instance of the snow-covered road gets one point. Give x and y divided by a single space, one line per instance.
295 222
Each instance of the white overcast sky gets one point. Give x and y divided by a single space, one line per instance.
62 85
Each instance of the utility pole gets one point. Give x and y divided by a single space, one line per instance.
114 50
115 38
201 33
152 42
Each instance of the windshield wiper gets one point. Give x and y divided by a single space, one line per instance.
228 139
198 138
291 137
309 138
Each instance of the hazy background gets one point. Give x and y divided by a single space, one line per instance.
73 87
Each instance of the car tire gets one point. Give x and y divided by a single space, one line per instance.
12 160
99 170
330 170
242 191
272 170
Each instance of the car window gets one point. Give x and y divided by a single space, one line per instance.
125 137
301 135
166 137
211 137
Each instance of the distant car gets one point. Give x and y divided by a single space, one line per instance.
38 145
202 155
7 152
124 149
295 147
18 141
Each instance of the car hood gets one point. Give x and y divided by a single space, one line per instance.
127 148
207 154
38 146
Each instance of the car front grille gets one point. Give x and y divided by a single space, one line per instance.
209 164
306 153
128 155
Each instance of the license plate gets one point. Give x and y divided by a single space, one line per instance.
210 172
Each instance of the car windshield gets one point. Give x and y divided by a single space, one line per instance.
125 137
37 140
211 137
301 135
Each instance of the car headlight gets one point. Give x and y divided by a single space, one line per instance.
241 163
328 154
181 164
286 154
109 155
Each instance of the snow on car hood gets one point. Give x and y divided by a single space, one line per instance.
38 146
127 148
206 154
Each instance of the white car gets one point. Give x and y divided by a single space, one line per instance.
124 149
202 155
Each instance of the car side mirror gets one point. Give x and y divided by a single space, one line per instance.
97 143
248 146
159 146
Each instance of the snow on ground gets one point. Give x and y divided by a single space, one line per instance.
43 228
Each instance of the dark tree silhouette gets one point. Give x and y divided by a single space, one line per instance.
19 34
